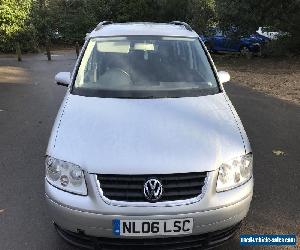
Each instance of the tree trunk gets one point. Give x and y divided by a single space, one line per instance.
48 50
77 49
18 52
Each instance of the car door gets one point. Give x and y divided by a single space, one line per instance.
232 42
219 41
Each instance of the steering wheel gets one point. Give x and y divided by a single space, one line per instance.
122 70
116 76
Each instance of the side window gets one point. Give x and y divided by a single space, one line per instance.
85 71
91 64
190 56
183 51
186 54
202 66
177 48
91 69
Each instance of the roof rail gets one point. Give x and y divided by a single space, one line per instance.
187 26
101 24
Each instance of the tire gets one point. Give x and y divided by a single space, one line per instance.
245 51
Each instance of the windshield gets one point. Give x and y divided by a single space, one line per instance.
144 67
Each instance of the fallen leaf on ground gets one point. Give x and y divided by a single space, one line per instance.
278 152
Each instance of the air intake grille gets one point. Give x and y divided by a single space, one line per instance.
196 242
131 187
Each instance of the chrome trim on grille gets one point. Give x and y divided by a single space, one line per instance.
156 204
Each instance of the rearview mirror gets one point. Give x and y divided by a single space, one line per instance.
63 78
223 76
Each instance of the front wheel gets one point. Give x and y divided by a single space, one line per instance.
245 51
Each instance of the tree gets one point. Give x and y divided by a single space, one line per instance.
202 14
14 15
72 19
247 16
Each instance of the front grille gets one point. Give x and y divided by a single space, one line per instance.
203 241
131 187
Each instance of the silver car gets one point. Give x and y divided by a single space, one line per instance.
146 144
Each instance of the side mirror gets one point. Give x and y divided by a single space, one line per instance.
223 76
63 78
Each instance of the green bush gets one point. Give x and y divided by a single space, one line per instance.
33 22
283 46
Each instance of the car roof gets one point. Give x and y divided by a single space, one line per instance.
143 28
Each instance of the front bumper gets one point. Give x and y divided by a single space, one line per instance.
93 216
203 241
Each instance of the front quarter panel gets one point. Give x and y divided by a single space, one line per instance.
240 126
56 125
235 114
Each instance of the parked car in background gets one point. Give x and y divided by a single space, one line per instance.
262 39
220 41
266 32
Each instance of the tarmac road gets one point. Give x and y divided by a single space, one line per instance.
29 101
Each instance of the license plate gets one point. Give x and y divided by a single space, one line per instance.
152 227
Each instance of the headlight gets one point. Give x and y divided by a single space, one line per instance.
65 175
234 172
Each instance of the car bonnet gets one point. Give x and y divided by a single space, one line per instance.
142 136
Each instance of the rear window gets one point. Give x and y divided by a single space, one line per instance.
144 67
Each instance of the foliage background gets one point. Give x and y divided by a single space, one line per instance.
34 22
